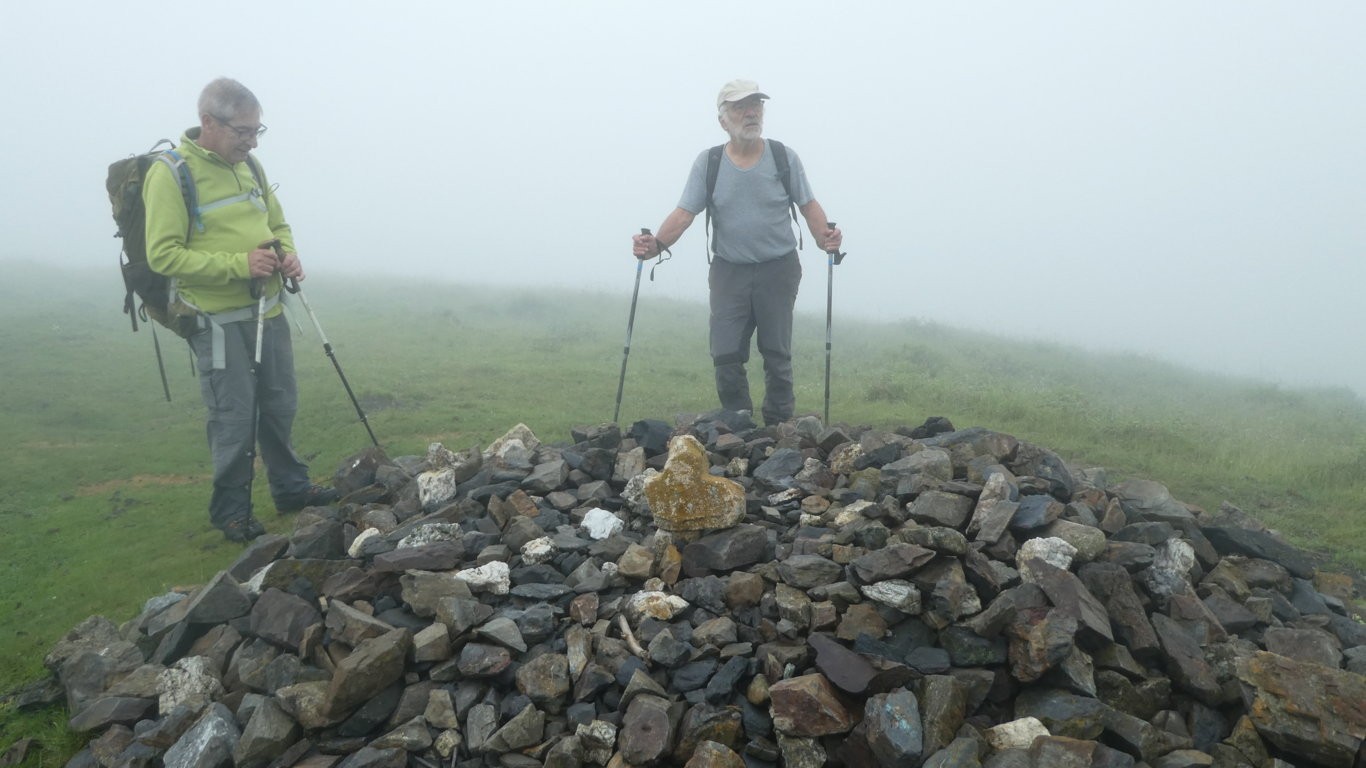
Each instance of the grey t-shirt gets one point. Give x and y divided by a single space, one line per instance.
750 219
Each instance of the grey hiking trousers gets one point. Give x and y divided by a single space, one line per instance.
746 298
229 395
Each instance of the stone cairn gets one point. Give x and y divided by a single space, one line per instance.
715 594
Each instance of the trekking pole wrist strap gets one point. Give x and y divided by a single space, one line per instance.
660 257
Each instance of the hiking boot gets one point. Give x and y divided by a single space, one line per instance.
315 496
242 529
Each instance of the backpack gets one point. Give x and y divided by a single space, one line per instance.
784 175
155 290
124 184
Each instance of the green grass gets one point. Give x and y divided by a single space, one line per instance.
105 482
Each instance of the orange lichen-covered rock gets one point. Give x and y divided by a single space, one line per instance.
686 497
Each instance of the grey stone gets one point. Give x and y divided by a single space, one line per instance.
208 744
525 728
647 731
283 618
220 600
267 735
367 670
545 680
891 562
727 550
110 710
894 728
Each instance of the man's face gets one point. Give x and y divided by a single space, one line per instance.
231 139
744 119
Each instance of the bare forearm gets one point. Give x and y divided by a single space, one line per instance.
818 225
675 224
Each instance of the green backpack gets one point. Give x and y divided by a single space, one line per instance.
124 184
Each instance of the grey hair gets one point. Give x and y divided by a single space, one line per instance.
226 98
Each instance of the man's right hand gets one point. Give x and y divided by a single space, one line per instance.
261 262
644 246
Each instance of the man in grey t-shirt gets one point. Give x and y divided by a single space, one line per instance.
754 277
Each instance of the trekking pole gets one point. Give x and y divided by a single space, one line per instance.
630 325
292 286
835 257
161 368
257 289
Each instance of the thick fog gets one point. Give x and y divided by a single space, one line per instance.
1183 180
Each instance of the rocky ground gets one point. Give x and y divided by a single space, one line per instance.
709 593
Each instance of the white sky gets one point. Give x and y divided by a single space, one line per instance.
1181 179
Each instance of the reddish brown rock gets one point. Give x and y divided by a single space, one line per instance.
809 706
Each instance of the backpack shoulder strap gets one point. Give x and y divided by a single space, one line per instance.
785 176
713 169
258 175
784 169
181 169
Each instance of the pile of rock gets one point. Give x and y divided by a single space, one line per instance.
715 594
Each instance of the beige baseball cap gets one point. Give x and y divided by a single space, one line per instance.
736 90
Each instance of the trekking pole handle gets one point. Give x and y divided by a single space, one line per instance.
291 284
257 285
835 256
660 252
646 231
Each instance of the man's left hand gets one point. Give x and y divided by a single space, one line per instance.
291 268
833 239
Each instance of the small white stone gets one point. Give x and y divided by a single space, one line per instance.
598 739
1016 734
601 524
430 533
192 681
439 455
447 742
894 593
634 492
362 537
513 454
436 487
521 433
538 551
1054 551
491 577
656 605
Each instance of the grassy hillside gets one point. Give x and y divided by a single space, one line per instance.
105 483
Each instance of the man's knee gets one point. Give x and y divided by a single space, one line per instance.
733 358
776 360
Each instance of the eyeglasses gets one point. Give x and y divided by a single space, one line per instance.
243 132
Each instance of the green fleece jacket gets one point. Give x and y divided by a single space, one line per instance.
210 266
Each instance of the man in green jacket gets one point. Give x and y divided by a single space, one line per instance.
213 255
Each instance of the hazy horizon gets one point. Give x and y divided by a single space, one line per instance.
1181 181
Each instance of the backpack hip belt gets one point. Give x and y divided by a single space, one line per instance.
214 322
